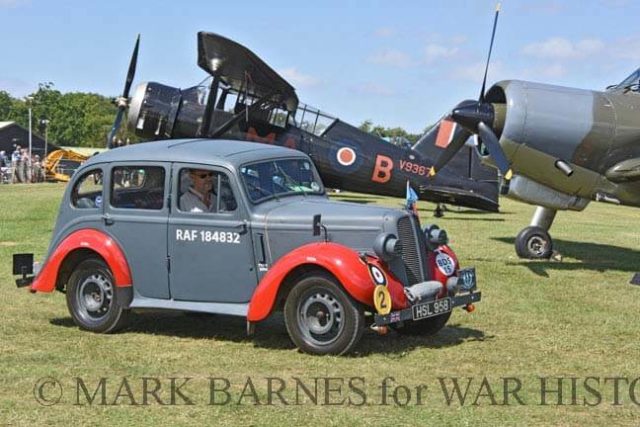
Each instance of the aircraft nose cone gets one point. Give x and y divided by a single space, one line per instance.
468 115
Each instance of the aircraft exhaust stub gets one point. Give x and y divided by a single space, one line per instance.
564 167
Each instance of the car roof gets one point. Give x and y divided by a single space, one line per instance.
205 151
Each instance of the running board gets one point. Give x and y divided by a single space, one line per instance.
231 309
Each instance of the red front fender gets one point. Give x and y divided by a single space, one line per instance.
93 240
344 263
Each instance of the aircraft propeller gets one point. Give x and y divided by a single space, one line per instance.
122 102
476 117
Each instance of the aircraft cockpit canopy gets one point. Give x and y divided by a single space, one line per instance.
631 83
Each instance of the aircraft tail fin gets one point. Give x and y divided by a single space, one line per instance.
466 163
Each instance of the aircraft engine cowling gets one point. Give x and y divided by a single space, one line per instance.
159 111
573 125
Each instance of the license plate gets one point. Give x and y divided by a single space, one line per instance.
432 308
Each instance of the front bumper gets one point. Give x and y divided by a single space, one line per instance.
436 307
425 310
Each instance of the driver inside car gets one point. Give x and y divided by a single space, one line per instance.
201 194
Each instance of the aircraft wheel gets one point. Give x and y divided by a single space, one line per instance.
534 243
426 327
321 318
92 300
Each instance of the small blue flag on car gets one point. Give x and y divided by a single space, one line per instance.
412 199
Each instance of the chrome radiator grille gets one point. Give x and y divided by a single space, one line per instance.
412 255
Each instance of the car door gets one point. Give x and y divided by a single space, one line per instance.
210 246
136 215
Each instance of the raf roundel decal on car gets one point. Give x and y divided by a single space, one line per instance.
377 275
445 264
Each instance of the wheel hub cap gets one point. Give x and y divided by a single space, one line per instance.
95 294
321 317
537 245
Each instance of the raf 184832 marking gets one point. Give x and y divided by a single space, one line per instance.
207 236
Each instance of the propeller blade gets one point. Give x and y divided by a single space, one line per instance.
486 68
123 101
115 127
460 136
490 141
132 69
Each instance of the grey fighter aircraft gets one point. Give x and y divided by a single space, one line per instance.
557 147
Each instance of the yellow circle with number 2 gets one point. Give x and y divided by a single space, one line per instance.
382 299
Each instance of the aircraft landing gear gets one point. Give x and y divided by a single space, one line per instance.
534 242
438 212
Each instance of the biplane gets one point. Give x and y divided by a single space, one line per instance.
246 99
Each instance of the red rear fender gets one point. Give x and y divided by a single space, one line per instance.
86 240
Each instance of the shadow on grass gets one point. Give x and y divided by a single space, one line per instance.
469 211
397 344
463 218
272 333
591 256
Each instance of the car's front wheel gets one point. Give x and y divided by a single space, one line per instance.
321 318
92 299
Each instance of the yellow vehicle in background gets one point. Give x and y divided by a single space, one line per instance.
60 164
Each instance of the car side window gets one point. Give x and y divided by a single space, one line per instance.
205 191
137 187
87 192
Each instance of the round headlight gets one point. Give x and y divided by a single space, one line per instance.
387 246
435 236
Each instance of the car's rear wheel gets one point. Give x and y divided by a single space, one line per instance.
321 318
426 327
92 299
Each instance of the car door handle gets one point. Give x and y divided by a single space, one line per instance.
108 220
242 227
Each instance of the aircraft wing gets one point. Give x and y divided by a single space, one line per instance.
485 199
242 70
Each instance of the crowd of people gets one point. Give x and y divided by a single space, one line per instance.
20 168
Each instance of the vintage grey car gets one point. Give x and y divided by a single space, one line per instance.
243 229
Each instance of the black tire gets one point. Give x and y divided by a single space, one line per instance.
426 327
343 319
534 243
92 299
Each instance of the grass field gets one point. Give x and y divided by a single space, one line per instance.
576 318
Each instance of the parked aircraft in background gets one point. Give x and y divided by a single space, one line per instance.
557 147
247 100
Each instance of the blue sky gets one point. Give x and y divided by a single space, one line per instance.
401 63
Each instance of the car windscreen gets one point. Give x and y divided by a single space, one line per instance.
275 178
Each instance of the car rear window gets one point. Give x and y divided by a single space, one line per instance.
137 187
87 192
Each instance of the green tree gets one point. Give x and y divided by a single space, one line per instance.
6 101
366 126
75 118
393 134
